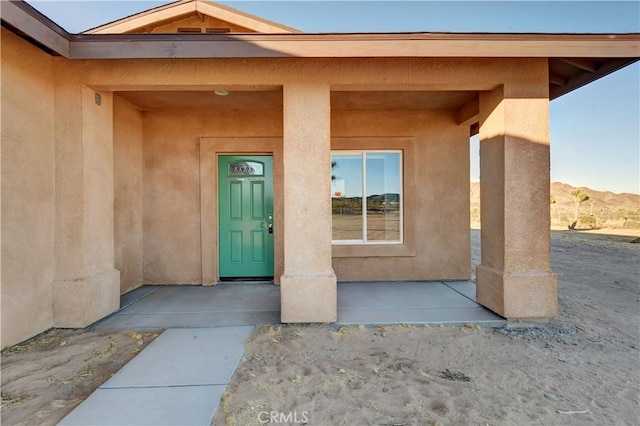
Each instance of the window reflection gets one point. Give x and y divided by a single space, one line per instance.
383 196
346 197
378 175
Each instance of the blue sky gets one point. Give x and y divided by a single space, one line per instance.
595 130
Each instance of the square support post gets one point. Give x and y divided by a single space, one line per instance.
514 278
308 285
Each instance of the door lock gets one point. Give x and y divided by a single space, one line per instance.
271 228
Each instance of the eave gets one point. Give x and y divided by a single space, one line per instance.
574 59
395 45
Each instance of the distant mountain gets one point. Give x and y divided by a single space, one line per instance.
603 209
388 197
601 199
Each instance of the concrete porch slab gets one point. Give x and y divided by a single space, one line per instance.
228 304
399 296
234 304
137 294
432 303
232 297
465 288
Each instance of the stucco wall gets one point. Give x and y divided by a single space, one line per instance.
437 239
87 287
127 163
28 189
171 184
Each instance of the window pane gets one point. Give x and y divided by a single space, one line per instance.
346 197
246 168
383 196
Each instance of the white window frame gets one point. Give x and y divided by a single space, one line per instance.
363 153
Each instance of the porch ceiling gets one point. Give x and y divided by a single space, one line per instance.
241 100
236 100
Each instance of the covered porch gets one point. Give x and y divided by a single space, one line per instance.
129 161
363 303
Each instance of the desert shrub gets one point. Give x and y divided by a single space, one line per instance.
586 220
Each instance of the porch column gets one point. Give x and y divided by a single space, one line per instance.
87 286
514 278
308 285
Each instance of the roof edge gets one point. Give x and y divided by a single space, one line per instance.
35 14
28 23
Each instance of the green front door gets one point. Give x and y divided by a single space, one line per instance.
245 193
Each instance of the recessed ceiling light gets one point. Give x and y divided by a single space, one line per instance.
221 92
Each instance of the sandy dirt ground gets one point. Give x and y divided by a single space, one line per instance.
583 368
44 378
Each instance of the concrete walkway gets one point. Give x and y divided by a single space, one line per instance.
179 378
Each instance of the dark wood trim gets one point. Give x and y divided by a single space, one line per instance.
585 78
581 63
557 80
249 37
34 26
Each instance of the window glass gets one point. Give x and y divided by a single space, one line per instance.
246 168
377 175
383 196
346 196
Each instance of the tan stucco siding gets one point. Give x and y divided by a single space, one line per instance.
340 73
172 233
87 286
127 163
28 189
436 197
436 244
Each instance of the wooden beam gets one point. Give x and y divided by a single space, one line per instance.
582 63
468 113
585 78
556 80
474 129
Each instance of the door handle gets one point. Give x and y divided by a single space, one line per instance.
270 219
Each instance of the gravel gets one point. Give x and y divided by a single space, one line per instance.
554 332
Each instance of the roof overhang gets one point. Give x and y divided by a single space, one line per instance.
574 59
